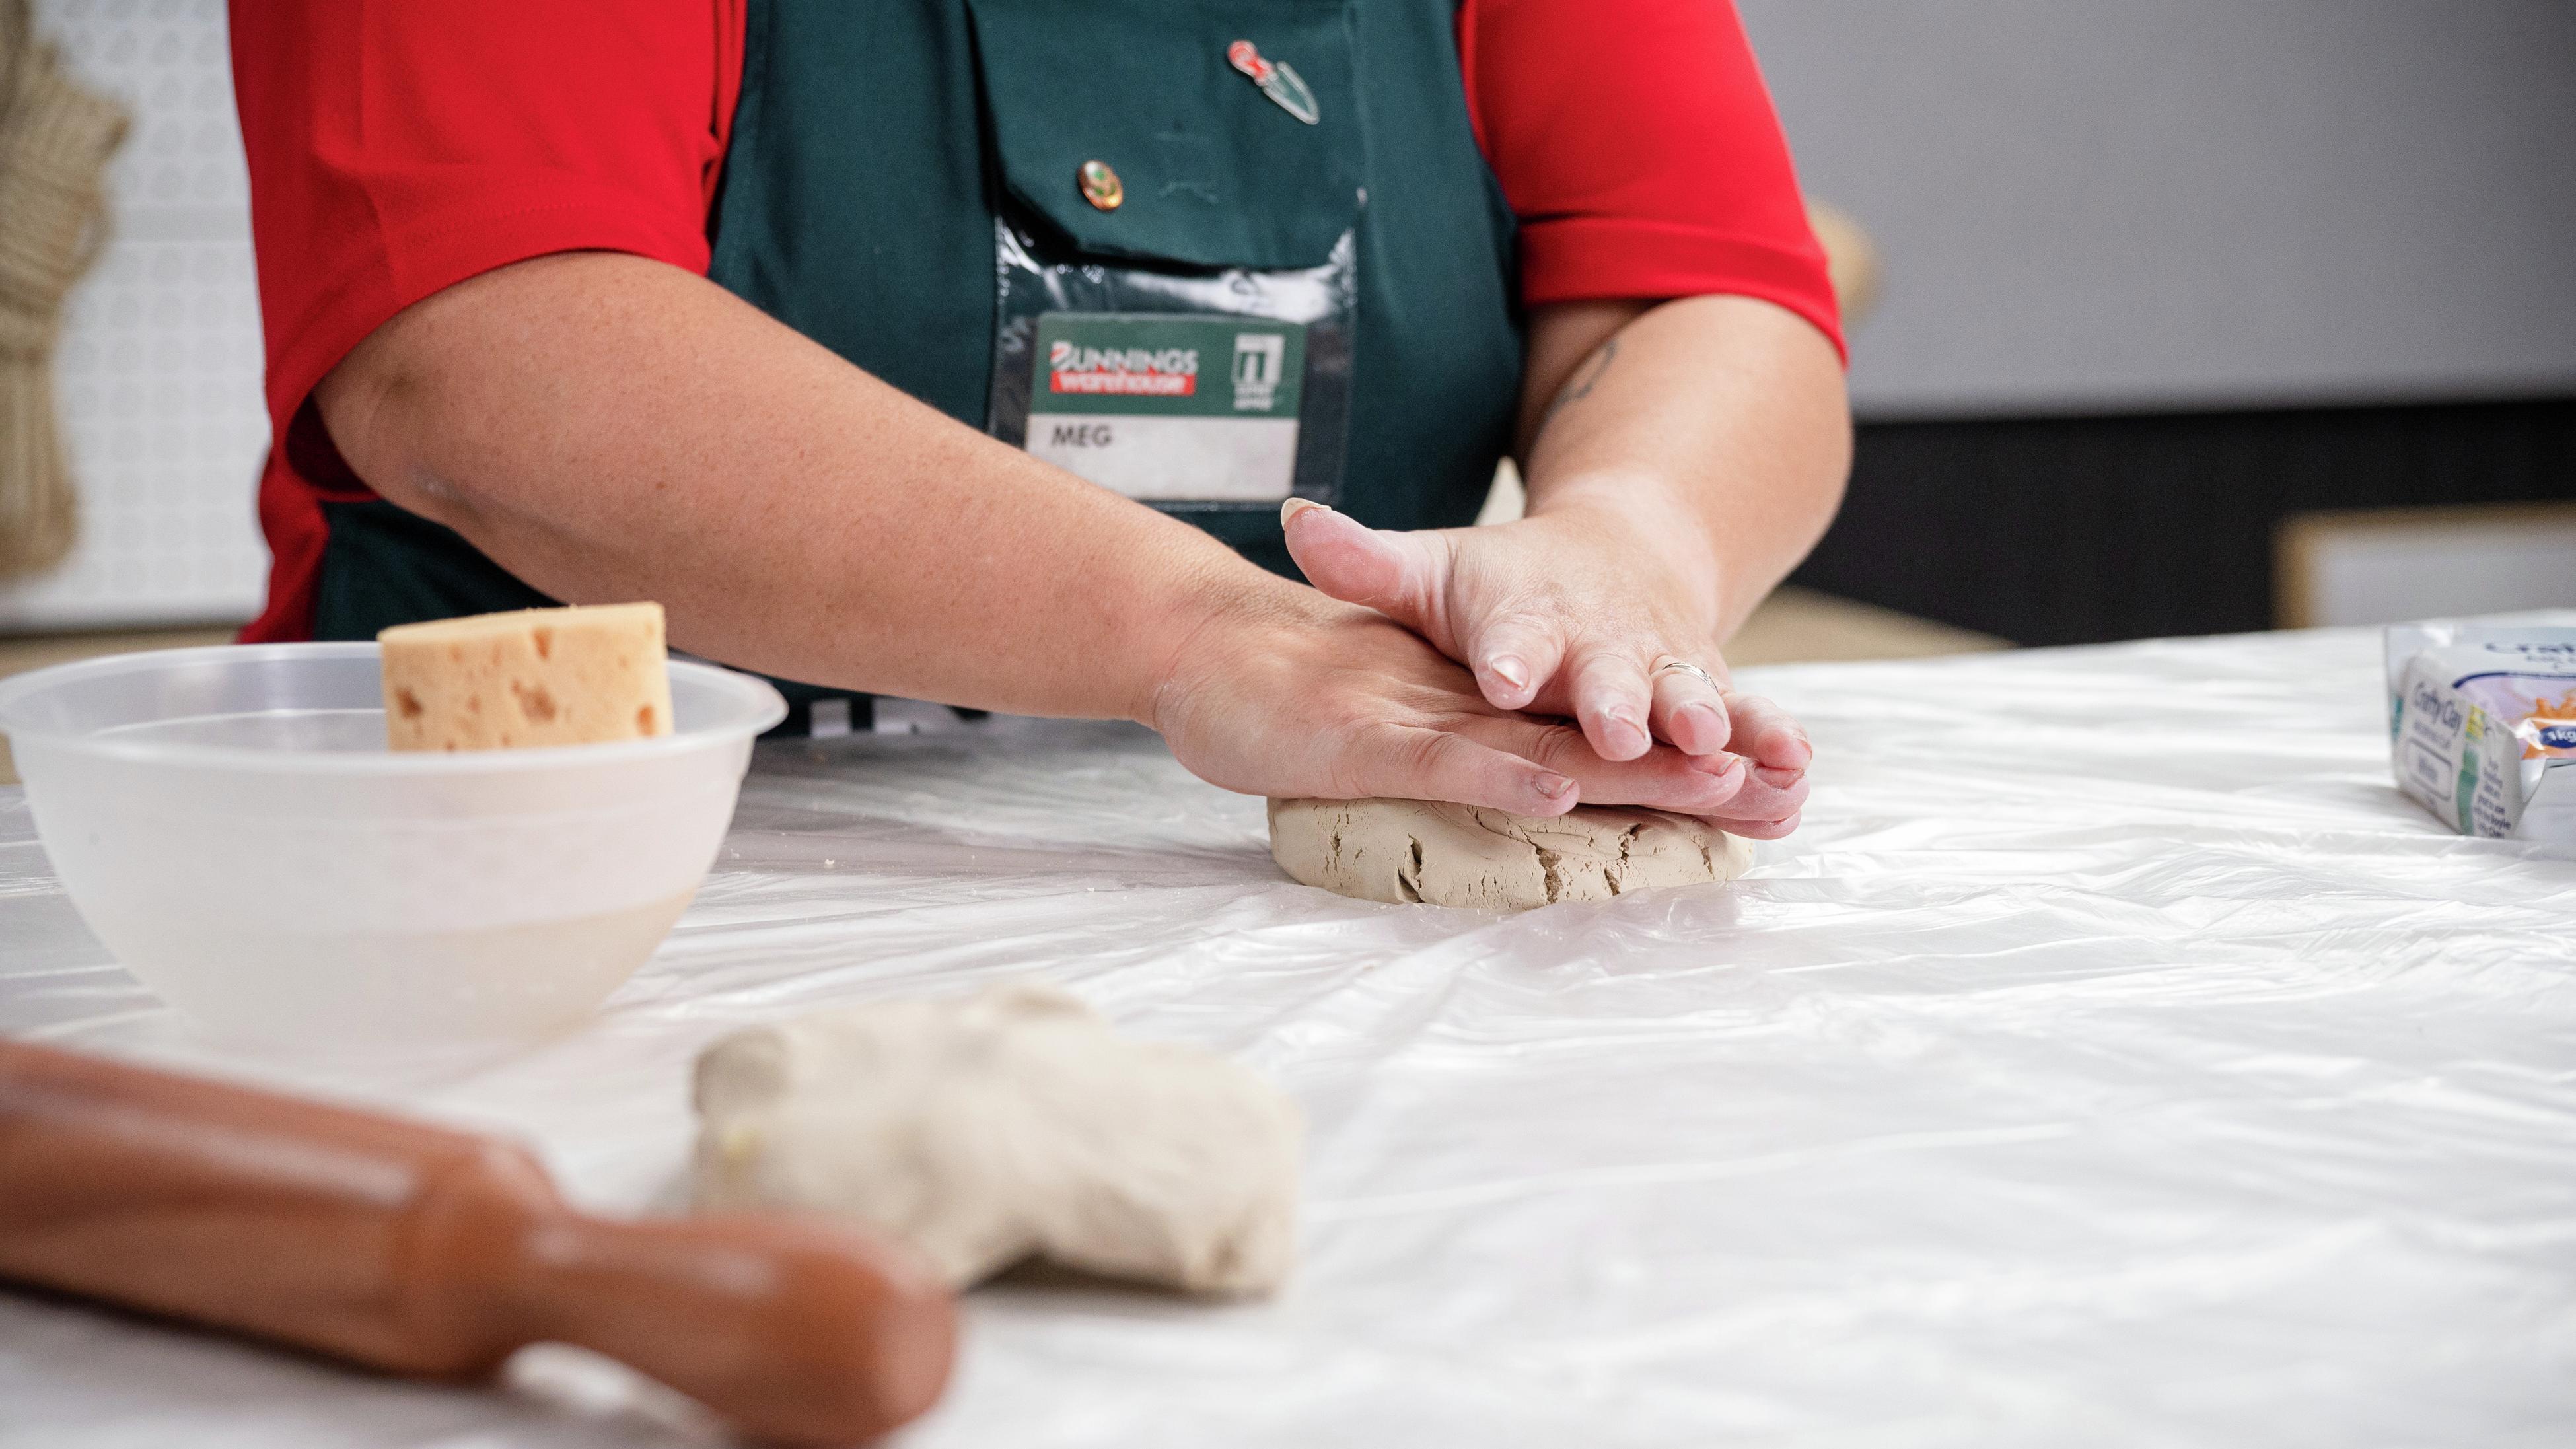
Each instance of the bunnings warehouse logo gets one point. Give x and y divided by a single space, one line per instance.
1125 371
1152 363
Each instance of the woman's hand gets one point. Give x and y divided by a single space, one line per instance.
1284 692
1576 613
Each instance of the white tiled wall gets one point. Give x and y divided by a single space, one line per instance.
159 372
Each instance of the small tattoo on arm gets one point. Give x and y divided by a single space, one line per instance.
1580 386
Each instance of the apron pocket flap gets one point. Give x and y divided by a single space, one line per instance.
1132 126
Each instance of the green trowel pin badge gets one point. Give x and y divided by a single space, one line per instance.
1277 80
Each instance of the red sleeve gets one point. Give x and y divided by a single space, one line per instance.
397 148
1637 145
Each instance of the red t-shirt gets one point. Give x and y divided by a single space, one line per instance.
399 149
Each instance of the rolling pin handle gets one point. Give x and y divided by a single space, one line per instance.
800 1331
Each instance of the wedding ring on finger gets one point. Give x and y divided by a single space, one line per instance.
1684 666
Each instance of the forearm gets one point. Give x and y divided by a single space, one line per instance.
607 427
1712 429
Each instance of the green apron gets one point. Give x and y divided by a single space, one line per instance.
874 147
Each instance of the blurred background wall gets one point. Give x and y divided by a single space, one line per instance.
2180 299
2120 205
2162 276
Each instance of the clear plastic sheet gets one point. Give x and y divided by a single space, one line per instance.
2114 1058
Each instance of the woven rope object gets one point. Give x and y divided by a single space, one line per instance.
55 140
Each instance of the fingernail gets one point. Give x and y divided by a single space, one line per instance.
1625 733
1705 720
1293 507
1555 787
1510 671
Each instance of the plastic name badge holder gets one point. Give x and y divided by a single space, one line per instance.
1177 284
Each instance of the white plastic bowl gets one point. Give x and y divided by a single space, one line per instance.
231 824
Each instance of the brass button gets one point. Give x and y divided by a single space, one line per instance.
1100 185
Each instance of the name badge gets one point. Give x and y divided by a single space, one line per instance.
1167 408
1198 392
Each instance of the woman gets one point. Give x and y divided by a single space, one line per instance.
811 320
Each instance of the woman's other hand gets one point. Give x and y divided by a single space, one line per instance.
1680 457
1576 614
1284 692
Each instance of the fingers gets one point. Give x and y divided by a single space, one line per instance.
1514 657
1397 574
1531 768
1661 779
1624 709
1767 805
1758 829
1766 796
1689 711
1409 762
1765 734
1611 701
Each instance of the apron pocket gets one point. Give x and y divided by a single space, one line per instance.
1175 243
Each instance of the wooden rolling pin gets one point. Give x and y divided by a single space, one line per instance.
421 1251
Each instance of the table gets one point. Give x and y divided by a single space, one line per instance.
2114 1058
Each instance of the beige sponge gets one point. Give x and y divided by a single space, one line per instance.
571 676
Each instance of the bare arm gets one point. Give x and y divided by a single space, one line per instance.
1715 426
608 427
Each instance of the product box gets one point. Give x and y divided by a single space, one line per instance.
2482 723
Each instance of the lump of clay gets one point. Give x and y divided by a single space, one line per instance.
1005 1125
1459 855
